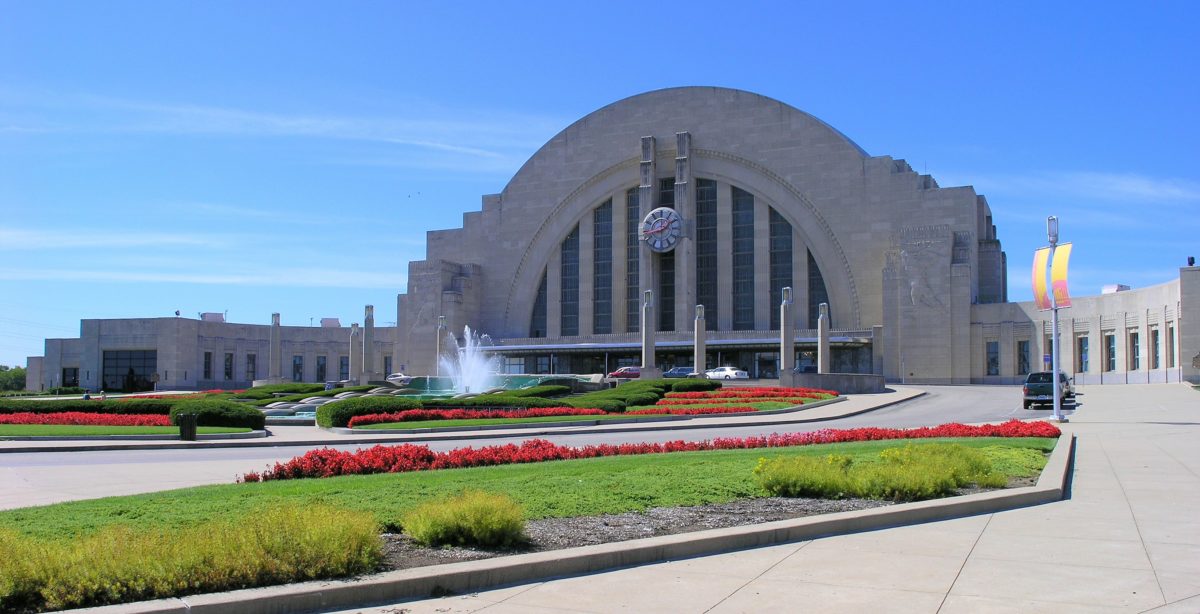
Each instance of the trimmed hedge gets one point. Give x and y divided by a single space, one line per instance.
338 413
268 391
492 400
220 413
111 406
695 385
536 391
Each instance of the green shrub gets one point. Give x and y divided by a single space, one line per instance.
536 391
337 414
612 406
695 385
121 564
491 400
472 518
909 473
268 391
66 390
645 398
111 406
220 413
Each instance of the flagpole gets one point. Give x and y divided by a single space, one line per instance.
1052 234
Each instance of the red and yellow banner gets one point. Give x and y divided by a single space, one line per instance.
1041 297
1058 275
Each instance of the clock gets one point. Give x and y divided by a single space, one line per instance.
662 229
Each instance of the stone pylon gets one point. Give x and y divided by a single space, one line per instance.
649 369
787 340
355 353
275 351
368 346
823 355
698 356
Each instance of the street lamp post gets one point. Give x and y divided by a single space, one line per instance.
1052 235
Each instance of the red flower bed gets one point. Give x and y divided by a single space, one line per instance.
79 418
794 400
693 411
327 462
420 415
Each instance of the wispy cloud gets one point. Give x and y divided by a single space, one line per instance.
277 277
24 239
1106 186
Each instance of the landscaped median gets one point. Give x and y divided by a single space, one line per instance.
136 418
214 538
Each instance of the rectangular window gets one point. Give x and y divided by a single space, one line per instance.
1081 354
514 365
1110 352
130 370
569 295
251 367
602 276
343 367
543 365
706 250
1171 347
743 260
208 365
666 291
70 376
228 366
993 358
1135 351
537 321
387 365
1155 349
297 368
321 367
633 292
1023 357
666 192
780 249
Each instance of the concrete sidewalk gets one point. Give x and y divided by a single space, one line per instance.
1126 540
302 436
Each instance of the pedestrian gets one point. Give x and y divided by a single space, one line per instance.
103 396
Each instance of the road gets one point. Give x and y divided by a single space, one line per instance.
42 478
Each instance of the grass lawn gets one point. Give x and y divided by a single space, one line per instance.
607 485
70 430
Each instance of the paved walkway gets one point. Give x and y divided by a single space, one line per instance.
1127 540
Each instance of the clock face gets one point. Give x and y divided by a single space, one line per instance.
661 229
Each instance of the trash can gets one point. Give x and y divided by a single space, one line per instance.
187 426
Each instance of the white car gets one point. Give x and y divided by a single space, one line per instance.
399 379
726 373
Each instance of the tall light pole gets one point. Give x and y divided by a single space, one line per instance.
1052 235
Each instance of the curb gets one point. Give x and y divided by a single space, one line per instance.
633 419
416 439
472 576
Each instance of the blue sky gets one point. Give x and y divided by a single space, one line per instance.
289 156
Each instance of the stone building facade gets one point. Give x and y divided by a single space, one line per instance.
557 267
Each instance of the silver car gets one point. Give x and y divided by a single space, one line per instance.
726 373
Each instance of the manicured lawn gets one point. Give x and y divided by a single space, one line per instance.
67 430
607 485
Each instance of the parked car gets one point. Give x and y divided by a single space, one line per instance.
399 379
627 372
1039 388
726 373
680 372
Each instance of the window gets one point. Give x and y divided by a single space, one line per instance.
993 358
1135 351
666 291
1022 357
602 269
1171 347
666 192
514 365
297 368
569 294
743 260
387 365
208 365
70 376
131 370
321 366
706 250
543 364
228 366
1081 354
343 367
251 367
537 321
1155 350
816 292
1110 352
633 292
780 249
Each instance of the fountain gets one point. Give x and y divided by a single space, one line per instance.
469 366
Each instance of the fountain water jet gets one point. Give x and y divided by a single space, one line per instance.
469 366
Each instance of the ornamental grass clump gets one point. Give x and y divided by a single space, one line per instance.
472 518
909 473
120 564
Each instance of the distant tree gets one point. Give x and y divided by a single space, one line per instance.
12 378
